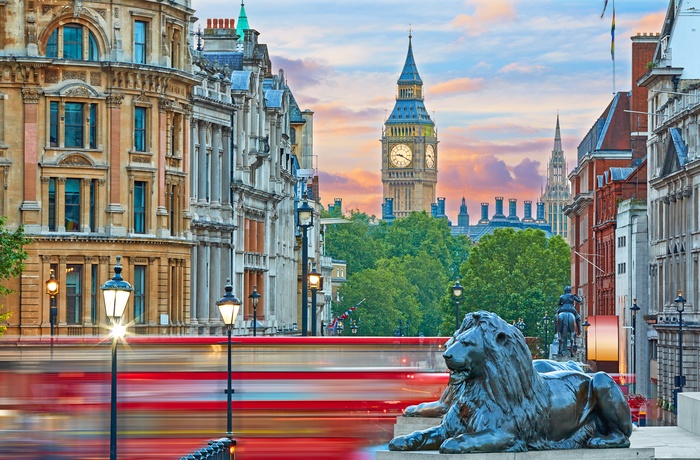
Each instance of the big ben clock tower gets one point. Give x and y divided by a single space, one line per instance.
409 146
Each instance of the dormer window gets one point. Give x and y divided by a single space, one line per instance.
72 41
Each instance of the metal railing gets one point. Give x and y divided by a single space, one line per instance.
221 449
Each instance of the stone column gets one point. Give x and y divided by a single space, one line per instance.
192 183
115 224
216 170
202 305
30 207
215 291
226 168
202 164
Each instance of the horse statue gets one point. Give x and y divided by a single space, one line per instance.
566 328
568 322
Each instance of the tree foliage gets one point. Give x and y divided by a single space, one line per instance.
389 298
417 251
12 257
516 274
359 243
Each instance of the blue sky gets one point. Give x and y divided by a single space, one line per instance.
495 73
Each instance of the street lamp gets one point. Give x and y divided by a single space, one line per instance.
254 298
305 220
228 307
585 327
521 325
634 309
116 293
457 291
52 289
680 378
354 327
315 283
545 320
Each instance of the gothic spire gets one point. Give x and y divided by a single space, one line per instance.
557 138
242 25
409 74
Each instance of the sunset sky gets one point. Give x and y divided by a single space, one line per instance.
495 74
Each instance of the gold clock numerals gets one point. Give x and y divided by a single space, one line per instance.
401 156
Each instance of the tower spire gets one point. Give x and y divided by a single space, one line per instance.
409 74
242 25
557 137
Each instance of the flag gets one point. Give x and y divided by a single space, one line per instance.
605 5
612 35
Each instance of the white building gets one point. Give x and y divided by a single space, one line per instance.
674 196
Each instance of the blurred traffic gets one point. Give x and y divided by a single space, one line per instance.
295 397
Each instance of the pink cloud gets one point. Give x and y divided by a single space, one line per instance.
359 189
302 73
456 86
485 12
518 67
651 23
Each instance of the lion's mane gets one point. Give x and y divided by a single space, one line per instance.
510 388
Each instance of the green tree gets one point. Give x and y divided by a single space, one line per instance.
516 274
12 257
427 274
389 298
359 243
420 232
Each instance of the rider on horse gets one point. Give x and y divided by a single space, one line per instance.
566 303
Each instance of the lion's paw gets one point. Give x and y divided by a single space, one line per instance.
402 443
452 446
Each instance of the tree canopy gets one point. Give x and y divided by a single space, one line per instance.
12 257
516 274
417 251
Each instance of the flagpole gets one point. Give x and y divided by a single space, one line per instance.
612 46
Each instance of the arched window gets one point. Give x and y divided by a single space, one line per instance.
72 41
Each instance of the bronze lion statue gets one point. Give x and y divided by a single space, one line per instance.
497 401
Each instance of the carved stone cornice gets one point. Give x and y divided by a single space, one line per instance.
115 100
31 95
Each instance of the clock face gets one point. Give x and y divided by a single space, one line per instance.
401 155
430 156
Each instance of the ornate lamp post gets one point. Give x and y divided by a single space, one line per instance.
634 309
228 307
305 220
680 378
546 320
457 291
315 283
254 299
116 293
52 290
585 327
521 325
354 327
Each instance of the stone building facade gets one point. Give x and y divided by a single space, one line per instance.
409 148
673 202
557 191
186 162
94 151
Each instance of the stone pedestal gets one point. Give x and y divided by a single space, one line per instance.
573 454
406 425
